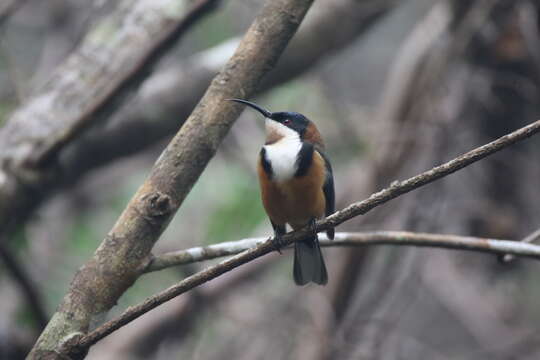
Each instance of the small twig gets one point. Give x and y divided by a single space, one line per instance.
400 238
527 240
396 189
26 285
532 237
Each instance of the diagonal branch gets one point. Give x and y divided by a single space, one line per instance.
396 189
399 238
117 263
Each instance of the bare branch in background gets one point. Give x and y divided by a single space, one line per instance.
400 238
444 110
117 262
358 208
29 289
115 56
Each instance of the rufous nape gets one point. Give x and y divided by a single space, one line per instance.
297 186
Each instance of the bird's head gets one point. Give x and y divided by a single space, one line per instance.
286 125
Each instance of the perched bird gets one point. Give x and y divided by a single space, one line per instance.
297 186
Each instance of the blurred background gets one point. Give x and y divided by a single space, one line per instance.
395 87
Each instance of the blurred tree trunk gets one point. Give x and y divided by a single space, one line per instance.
474 84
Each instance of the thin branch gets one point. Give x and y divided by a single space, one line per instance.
396 189
117 263
31 294
533 237
400 238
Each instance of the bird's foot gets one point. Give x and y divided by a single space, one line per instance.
278 243
312 225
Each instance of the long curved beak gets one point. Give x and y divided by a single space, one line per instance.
263 111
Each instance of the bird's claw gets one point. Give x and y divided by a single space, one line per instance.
277 241
312 225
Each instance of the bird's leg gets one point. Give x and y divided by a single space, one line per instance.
277 242
279 231
312 226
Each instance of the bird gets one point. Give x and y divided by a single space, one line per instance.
297 186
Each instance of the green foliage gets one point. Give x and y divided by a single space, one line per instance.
83 237
19 240
238 211
5 109
25 317
213 30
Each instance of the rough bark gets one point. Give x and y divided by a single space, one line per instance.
118 261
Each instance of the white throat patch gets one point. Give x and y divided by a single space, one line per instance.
283 153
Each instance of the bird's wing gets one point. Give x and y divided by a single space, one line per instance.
328 189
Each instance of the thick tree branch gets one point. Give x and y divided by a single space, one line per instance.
117 263
116 55
497 246
396 189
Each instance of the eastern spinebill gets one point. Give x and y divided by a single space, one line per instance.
297 186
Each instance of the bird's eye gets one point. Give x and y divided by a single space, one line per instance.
286 121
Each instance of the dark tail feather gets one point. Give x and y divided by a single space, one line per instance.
309 263
330 233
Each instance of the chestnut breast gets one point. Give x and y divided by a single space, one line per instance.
298 199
